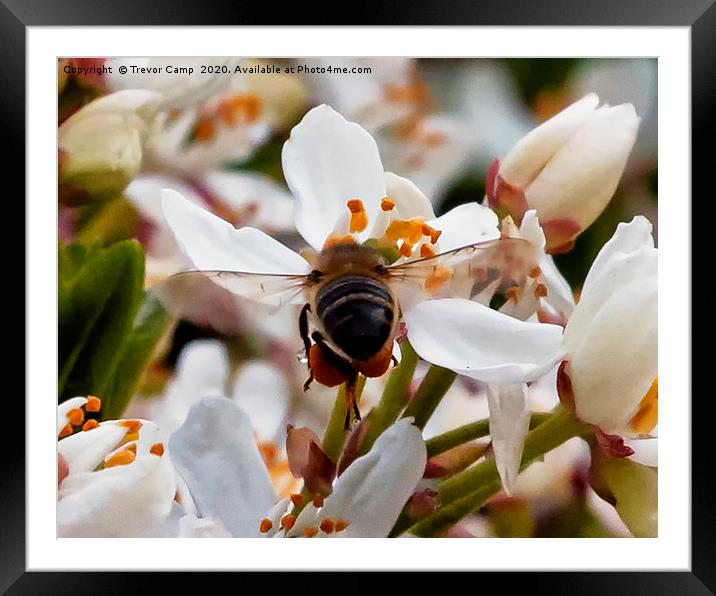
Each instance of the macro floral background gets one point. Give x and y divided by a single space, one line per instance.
532 416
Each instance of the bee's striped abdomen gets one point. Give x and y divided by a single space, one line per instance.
357 314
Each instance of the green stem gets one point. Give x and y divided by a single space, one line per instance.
465 492
432 389
395 397
468 432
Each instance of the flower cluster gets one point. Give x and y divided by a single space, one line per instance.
503 386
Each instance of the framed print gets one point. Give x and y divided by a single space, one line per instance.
284 285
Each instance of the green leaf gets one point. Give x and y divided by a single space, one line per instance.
149 326
99 292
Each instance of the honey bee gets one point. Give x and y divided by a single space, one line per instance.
353 299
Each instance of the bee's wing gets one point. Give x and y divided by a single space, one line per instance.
467 272
212 298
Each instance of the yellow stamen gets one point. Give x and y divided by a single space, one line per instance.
287 521
411 93
297 499
387 204
317 501
66 431
434 139
327 526
121 458
540 291
359 218
647 416
427 251
310 532
76 416
90 424
265 526
341 524
157 449
437 279
94 404
535 272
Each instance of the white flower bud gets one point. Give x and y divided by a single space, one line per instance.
611 338
567 168
101 144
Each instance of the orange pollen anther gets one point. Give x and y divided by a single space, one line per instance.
157 449
427 251
205 130
265 525
132 426
387 204
406 249
76 416
336 240
410 230
297 499
513 294
647 416
359 218
287 521
327 526
121 458
310 532
412 92
90 424
540 290
268 451
341 524
242 108
317 501
94 404
438 278
66 431
432 232
535 272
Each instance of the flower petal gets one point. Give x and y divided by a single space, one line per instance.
646 451
202 371
525 160
211 243
191 526
121 501
84 451
476 341
466 224
409 199
509 424
261 391
215 453
559 292
327 161
372 491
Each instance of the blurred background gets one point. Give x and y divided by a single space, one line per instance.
438 122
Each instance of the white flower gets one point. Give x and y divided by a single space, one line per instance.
611 338
119 482
102 144
567 168
217 457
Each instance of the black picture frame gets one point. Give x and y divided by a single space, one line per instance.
698 15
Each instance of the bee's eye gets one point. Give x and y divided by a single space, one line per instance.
315 276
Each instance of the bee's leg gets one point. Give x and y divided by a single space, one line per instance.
394 360
351 403
303 330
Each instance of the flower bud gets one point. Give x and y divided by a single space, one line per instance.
610 340
567 168
101 145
